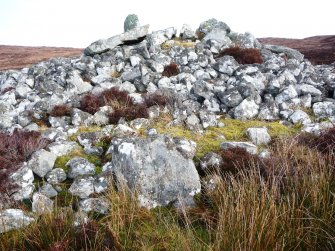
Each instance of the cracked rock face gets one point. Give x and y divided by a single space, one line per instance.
155 169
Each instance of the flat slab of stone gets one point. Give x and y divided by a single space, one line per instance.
249 147
103 45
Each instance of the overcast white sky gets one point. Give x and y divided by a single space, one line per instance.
77 23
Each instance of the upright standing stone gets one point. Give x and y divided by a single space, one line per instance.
131 22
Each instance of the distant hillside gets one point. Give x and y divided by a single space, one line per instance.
318 49
16 57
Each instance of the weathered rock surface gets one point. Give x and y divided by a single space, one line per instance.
259 135
103 45
13 219
155 169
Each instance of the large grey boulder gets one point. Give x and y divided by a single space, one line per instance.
231 97
246 40
269 111
42 162
155 169
103 45
131 22
80 117
287 94
13 219
48 190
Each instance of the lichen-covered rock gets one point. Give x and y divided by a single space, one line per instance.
41 204
155 169
226 65
48 190
211 24
258 135
186 32
60 148
24 179
42 162
210 161
300 116
247 109
104 45
156 38
291 53
56 176
80 167
324 109
13 219
98 205
82 187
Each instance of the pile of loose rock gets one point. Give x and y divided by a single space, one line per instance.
160 168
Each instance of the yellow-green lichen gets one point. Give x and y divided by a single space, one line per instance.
82 129
62 160
177 41
234 130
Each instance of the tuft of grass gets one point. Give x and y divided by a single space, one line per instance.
16 148
56 231
90 103
171 70
60 111
128 113
151 99
122 104
243 55
115 98
325 142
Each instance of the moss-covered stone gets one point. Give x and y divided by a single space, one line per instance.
62 160
234 130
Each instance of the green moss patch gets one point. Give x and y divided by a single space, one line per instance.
234 130
62 160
